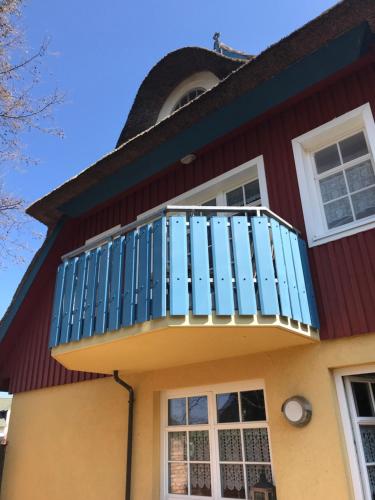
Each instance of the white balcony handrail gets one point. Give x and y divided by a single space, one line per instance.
259 210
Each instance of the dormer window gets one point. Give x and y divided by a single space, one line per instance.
187 97
186 91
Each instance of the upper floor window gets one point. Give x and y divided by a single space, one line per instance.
336 175
188 96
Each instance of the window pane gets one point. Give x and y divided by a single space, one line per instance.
177 411
368 442
232 481
338 213
198 413
364 203
360 176
327 158
227 408
177 446
362 399
235 197
200 480
353 147
253 473
252 192
209 203
230 445
177 479
252 406
256 445
333 187
371 476
199 446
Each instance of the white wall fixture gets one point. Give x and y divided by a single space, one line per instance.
297 410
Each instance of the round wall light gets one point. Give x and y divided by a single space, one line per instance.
297 410
186 160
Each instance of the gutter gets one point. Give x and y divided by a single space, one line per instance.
129 451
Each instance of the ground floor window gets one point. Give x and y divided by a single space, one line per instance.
215 442
356 391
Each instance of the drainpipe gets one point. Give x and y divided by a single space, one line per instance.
130 390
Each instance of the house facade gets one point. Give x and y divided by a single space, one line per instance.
200 321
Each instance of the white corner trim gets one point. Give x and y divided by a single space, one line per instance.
231 179
349 123
205 79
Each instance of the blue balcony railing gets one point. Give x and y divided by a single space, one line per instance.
186 261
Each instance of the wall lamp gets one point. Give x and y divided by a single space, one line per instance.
297 410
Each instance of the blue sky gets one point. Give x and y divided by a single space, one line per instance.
99 54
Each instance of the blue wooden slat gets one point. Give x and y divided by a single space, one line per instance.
281 270
116 266
102 293
129 280
264 265
179 301
159 267
222 266
200 269
290 273
243 266
57 305
68 300
300 279
92 269
309 284
144 263
79 296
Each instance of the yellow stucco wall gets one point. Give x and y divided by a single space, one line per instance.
69 442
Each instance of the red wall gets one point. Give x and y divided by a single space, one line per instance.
343 270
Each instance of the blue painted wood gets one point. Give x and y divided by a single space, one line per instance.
200 268
144 284
79 297
57 305
92 269
178 281
290 273
308 283
159 269
116 269
300 279
102 293
285 306
243 266
224 303
128 308
264 264
68 301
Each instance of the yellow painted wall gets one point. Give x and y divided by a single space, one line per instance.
68 442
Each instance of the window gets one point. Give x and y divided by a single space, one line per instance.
241 186
189 96
336 175
216 443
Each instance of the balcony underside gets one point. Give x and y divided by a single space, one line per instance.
174 341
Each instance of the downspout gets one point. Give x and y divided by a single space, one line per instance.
130 390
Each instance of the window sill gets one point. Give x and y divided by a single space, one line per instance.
343 232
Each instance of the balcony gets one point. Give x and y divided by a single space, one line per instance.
194 284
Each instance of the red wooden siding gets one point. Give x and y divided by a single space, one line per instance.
343 270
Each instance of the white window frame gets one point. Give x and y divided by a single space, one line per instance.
203 79
359 119
220 185
357 466
212 427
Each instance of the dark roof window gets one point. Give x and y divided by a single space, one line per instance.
187 97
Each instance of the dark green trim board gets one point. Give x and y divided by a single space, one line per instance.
322 64
28 279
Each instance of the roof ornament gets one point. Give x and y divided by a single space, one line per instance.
225 50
